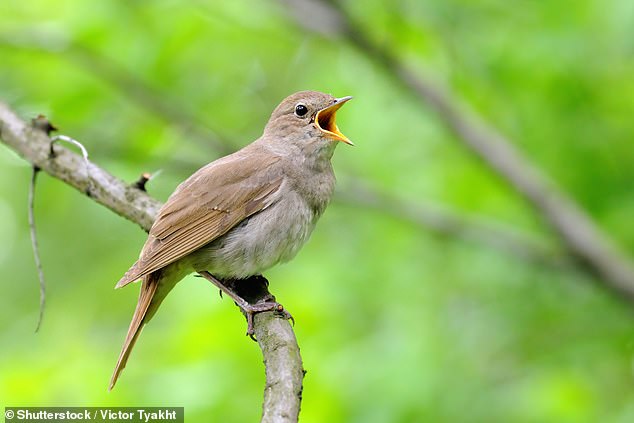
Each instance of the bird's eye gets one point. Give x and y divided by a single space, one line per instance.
301 110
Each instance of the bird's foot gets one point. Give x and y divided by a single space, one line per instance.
252 297
252 309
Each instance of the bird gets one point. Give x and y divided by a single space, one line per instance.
243 213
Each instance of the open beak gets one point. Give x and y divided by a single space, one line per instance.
325 120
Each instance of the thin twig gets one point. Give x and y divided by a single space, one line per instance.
144 179
34 244
76 143
32 229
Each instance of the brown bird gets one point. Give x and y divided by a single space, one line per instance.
243 213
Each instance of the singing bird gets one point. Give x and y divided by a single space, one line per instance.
243 213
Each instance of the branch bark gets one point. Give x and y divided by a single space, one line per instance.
578 233
283 363
284 371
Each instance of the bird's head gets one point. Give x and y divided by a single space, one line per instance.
307 120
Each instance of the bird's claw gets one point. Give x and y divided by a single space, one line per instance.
286 314
251 310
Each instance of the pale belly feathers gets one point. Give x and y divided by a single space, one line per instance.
259 242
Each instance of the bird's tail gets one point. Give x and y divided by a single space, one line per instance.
139 319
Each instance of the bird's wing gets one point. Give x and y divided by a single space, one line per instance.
205 207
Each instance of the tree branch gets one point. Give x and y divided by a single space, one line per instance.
283 364
284 371
579 234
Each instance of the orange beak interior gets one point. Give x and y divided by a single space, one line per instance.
325 120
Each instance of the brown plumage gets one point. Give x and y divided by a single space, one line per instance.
243 213
191 217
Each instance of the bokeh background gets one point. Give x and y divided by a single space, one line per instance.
398 320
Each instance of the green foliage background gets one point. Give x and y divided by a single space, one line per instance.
395 323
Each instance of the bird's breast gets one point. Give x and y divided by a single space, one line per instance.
264 239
